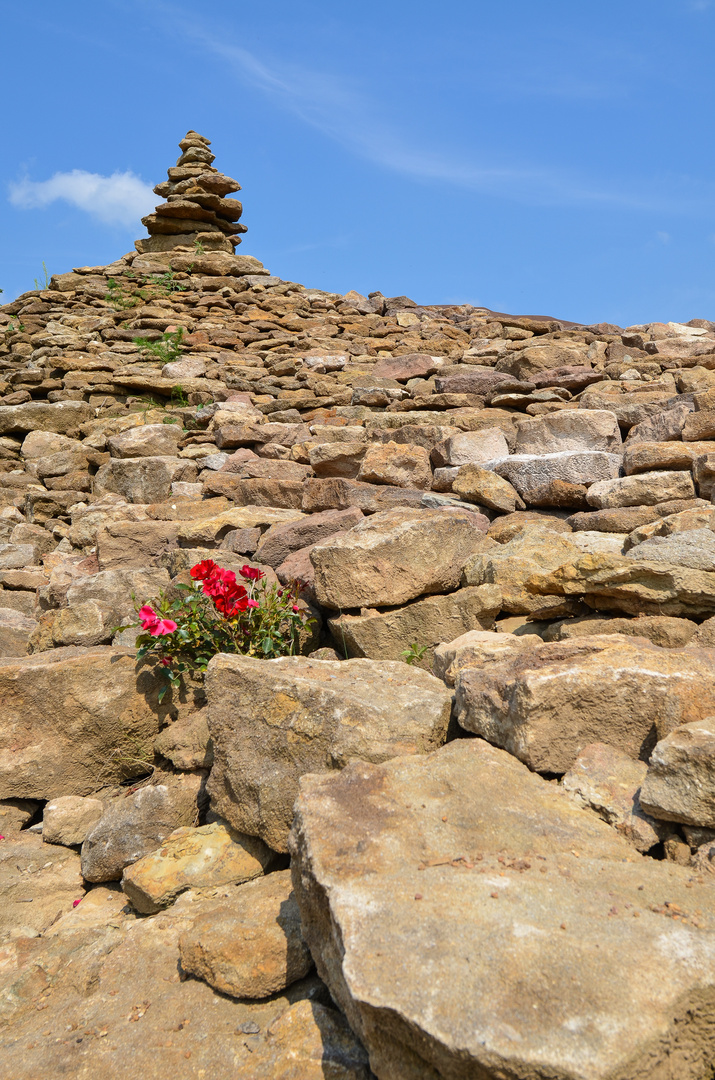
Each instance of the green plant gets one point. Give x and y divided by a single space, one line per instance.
167 349
167 283
118 296
217 613
179 397
15 328
199 247
46 283
414 653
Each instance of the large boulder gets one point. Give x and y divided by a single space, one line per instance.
530 473
74 720
394 556
271 721
143 479
546 703
282 539
150 440
62 417
471 921
643 489
512 564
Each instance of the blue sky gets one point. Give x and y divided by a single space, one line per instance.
542 158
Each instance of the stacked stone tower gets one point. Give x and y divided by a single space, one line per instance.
196 207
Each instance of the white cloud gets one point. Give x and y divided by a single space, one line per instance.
119 199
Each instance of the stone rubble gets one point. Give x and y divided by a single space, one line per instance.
520 505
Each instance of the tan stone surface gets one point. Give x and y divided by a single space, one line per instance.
541 915
249 944
193 858
386 635
271 721
392 557
547 703
57 701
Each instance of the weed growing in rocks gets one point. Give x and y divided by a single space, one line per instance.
218 613
414 653
168 348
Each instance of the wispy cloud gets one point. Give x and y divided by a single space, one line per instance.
342 112
119 199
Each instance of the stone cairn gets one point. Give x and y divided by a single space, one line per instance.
196 211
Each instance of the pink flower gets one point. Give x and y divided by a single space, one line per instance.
75 902
150 621
2 837
253 603
296 609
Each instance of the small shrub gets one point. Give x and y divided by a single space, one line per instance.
218 613
168 348
414 653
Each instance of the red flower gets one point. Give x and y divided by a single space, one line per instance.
203 569
253 603
251 573
75 902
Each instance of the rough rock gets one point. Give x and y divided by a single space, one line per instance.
385 635
250 946
133 825
282 539
644 489
610 582
529 904
272 721
194 858
529 473
608 781
472 649
392 557
545 704
67 820
582 429
475 484
57 701
662 630
680 782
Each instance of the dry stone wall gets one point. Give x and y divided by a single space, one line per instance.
521 504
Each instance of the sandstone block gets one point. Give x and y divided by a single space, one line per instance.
472 649
132 827
252 945
486 488
193 858
550 701
680 782
608 781
633 586
15 631
59 700
694 548
662 630
646 488
337 459
393 557
150 440
664 426
510 565
309 1041
420 861
67 820
62 417
674 456
143 479
135 545
473 447
399 464
581 429
282 539
385 635
271 721
529 473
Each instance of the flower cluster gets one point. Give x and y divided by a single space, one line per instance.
228 595
220 612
